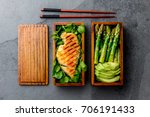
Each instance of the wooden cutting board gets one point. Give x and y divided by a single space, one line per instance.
33 54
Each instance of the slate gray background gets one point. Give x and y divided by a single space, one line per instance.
135 14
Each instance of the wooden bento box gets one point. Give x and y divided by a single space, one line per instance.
54 55
93 39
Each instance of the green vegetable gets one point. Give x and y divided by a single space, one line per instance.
110 44
115 79
58 75
97 43
83 66
115 43
97 28
107 66
55 62
100 52
104 32
59 42
107 74
64 79
116 56
79 39
103 54
107 70
76 77
57 68
81 29
70 28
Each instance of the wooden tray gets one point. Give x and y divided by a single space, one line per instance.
54 55
33 54
93 80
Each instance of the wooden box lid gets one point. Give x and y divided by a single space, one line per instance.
33 54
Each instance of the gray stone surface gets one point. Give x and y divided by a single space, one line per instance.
133 13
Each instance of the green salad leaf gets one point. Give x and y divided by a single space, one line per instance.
64 79
79 39
81 29
81 66
76 77
57 72
58 75
70 28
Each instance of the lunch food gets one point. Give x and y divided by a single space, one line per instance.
107 53
68 64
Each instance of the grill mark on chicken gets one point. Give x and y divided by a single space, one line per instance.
68 54
68 36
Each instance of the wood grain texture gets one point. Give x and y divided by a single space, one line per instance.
93 80
54 55
33 54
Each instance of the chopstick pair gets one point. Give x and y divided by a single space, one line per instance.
75 11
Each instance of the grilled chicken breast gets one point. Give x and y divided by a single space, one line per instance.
68 54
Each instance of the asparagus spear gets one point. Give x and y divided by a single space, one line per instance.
103 37
116 56
110 44
98 33
104 31
96 28
115 43
103 54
